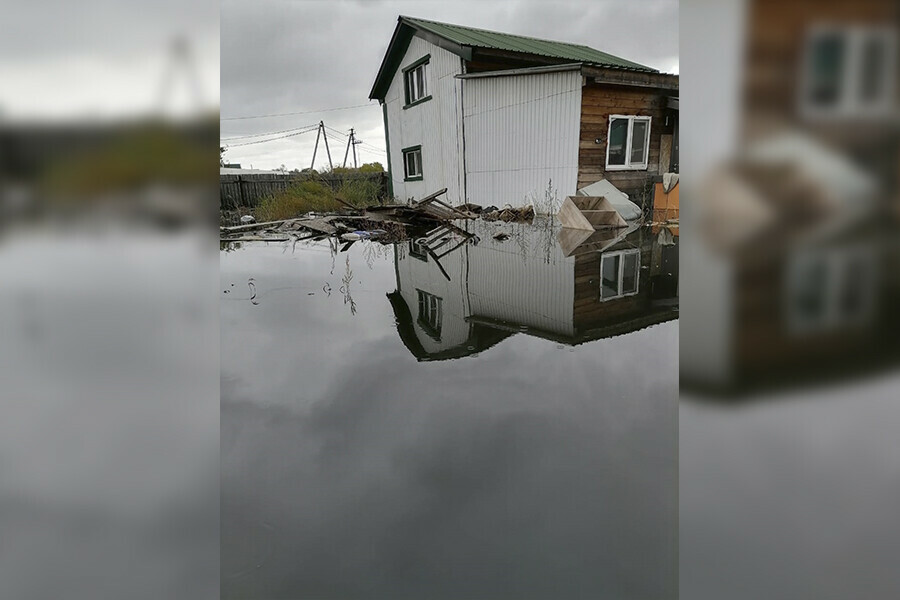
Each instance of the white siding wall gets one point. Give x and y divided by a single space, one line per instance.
433 124
521 132
534 286
415 274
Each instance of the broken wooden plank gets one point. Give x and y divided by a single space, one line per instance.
570 216
255 226
430 197
437 261
345 203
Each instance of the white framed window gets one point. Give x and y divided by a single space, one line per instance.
830 289
415 81
431 313
619 274
849 71
412 163
628 143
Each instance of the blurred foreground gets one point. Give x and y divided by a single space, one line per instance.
789 345
109 350
794 249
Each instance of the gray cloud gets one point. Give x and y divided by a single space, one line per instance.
280 57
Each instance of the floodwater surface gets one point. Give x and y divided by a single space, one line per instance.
450 419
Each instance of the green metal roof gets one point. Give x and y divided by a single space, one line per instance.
461 40
481 38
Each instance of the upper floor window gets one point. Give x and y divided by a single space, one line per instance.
628 142
849 71
430 313
831 288
415 81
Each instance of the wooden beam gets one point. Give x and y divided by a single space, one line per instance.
657 81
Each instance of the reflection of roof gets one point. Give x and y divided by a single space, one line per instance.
655 317
480 337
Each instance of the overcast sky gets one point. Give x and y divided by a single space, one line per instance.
288 56
104 58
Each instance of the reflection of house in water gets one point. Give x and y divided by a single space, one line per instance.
795 270
537 282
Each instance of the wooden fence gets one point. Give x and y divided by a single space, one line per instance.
246 190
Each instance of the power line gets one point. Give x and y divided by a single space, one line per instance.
241 137
305 112
315 128
357 140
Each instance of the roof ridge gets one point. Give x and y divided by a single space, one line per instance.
527 37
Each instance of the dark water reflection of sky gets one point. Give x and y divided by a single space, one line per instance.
527 469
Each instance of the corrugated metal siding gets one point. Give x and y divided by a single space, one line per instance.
521 132
534 286
433 125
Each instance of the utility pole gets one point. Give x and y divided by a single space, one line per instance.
316 147
351 141
355 142
321 132
180 59
347 151
325 137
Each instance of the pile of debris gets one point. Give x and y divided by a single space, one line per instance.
508 214
388 223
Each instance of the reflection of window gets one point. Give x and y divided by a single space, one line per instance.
628 142
415 81
619 272
829 289
412 163
430 313
417 249
849 71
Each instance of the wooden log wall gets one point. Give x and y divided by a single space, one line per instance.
588 310
598 102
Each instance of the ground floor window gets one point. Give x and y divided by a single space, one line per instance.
430 313
832 288
412 163
619 274
628 142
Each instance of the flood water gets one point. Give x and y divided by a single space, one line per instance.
499 423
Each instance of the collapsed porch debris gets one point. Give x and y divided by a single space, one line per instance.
618 199
388 223
588 213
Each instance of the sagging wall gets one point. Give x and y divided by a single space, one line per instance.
521 132
598 103
433 124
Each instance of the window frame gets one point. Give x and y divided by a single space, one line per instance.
414 249
621 274
406 176
432 321
628 166
850 103
835 263
409 71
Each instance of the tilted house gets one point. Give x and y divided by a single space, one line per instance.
495 118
